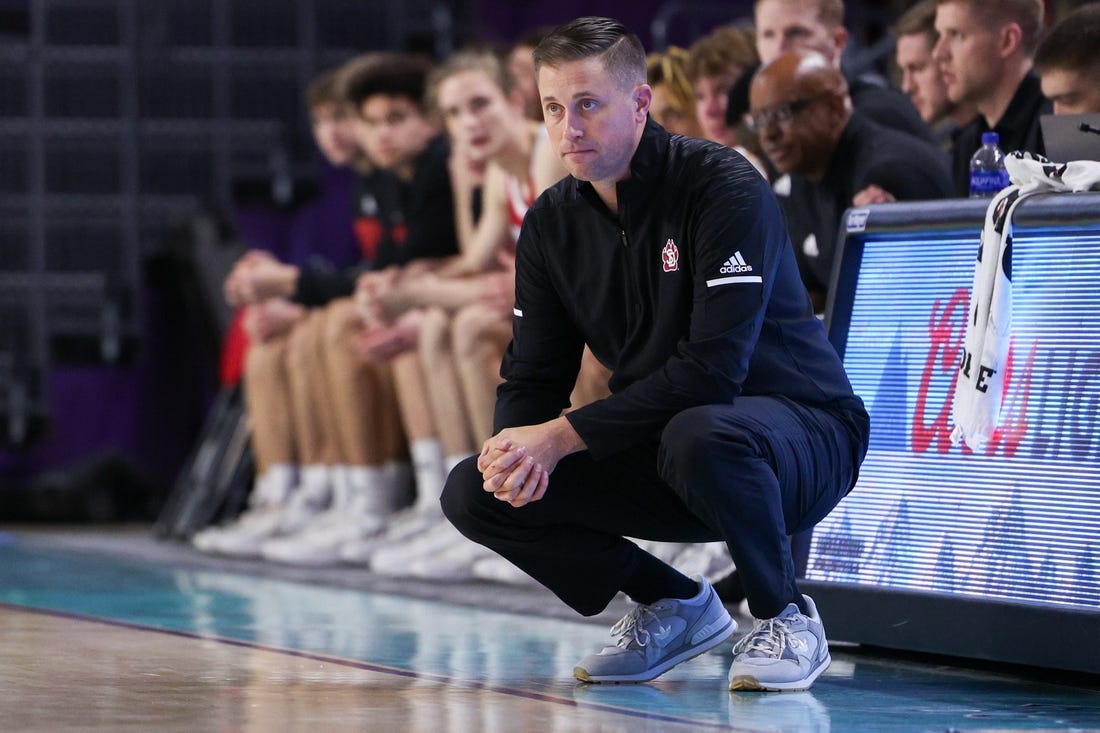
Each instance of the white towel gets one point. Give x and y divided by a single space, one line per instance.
980 385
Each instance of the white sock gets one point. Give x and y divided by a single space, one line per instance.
429 469
378 490
274 485
315 479
341 486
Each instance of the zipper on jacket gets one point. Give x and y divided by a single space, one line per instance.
622 236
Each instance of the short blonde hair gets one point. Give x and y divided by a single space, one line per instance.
1028 14
485 61
669 69
830 12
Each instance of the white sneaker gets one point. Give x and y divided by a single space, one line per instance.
305 503
787 652
268 496
263 520
709 559
400 528
396 559
454 561
320 542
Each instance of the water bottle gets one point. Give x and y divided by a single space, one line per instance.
987 168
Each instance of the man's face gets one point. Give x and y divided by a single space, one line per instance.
968 54
711 98
670 116
1072 92
920 77
788 25
799 126
392 130
476 113
521 62
334 133
592 119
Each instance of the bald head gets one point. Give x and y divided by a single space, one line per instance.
807 86
799 74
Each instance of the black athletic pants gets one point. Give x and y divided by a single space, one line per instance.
750 474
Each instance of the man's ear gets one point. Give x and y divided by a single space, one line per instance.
643 98
1009 39
838 107
840 40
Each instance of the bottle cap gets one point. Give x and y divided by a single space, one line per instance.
990 138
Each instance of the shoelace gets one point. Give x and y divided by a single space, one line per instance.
631 627
770 636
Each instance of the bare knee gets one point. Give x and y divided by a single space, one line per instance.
263 358
341 321
475 328
435 326
301 345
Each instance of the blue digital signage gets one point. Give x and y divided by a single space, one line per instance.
1017 525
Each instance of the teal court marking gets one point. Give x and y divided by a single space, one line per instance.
469 648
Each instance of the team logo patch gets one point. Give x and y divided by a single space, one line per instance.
670 256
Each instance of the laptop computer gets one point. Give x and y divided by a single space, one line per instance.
1071 137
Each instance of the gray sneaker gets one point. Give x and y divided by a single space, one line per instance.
784 653
650 640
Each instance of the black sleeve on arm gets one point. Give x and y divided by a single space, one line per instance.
913 171
317 286
430 218
540 365
734 213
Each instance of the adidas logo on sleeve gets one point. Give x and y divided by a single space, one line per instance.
735 270
735 264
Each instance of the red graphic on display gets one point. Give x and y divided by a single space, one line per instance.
946 334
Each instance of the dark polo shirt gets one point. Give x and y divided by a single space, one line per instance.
1018 128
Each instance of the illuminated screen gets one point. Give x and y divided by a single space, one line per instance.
1020 522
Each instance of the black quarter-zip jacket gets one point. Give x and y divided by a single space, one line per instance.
690 295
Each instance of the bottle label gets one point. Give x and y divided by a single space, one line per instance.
987 183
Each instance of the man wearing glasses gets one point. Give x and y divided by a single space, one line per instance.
800 108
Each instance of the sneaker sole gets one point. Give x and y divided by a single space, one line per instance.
745 682
654 672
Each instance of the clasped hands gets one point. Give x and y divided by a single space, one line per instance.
516 463
384 334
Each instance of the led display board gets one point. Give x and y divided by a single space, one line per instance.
935 536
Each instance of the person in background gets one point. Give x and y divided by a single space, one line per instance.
308 459
715 62
984 52
521 65
667 255
673 97
836 157
466 302
818 25
404 221
1068 62
921 80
